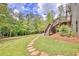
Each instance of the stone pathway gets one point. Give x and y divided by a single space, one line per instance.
33 51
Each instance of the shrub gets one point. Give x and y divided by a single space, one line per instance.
65 30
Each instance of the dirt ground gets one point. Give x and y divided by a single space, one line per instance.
57 36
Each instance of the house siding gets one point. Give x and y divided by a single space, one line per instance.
75 17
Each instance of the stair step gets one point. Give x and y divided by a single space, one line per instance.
35 53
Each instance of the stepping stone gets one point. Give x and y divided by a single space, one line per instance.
29 45
32 43
33 40
60 55
35 53
31 50
43 54
77 54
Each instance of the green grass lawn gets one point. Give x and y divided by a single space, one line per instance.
15 47
54 47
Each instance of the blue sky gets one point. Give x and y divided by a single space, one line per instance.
35 8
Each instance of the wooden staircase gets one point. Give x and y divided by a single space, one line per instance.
47 30
51 28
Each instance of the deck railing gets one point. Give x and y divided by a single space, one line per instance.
55 22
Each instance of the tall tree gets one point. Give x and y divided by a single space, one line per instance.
50 17
61 12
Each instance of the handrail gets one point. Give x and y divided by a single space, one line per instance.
59 21
55 22
47 27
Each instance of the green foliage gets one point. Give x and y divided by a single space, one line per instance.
39 25
49 17
65 30
12 27
3 9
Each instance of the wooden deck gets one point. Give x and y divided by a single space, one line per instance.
51 28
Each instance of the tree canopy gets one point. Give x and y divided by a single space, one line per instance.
10 27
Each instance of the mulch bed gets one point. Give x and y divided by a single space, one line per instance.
57 36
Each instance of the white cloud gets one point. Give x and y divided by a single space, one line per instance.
40 9
40 5
44 17
22 7
57 5
55 16
16 11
